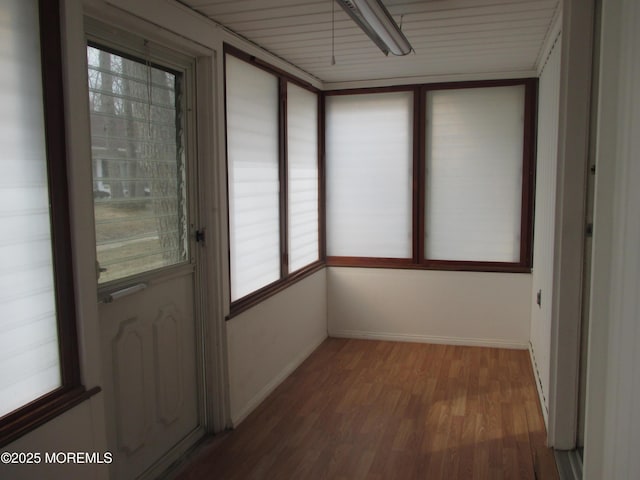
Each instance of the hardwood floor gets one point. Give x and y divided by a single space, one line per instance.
358 409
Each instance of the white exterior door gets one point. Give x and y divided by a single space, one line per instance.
145 221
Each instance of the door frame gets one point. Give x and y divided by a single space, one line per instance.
573 151
212 371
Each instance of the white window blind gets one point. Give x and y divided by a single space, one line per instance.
369 174
252 149
29 358
474 174
302 148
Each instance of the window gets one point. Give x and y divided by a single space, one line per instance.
473 180
39 371
369 175
139 173
302 174
273 179
438 176
435 176
254 178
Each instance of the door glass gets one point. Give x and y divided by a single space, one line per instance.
138 165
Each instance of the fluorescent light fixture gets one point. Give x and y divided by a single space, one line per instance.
376 21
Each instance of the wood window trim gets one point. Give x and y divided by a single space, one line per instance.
71 392
525 262
417 261
267 67
42 411
439 265
283 167
286 278
254 298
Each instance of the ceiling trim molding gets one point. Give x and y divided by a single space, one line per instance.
426 79
555 29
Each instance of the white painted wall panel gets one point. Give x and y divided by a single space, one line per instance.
544 228
613 422
266 343
465 308
70 432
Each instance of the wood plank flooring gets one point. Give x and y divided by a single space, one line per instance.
358 409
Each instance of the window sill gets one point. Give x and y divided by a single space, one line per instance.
41 411
259 296
445 265
270 290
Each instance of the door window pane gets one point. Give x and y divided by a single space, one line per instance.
138 165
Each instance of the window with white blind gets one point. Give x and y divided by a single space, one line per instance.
39 374
434 176
29 344
474 142
448 186
369 148
273 179
302 163
253 169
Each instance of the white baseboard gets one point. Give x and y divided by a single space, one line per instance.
273 384
408 337
541 397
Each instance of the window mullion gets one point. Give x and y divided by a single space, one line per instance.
418 175
322 196
58 192
528 172
284 179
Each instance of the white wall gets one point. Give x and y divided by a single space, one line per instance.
69 432
266 343
544 227
463 308
613 385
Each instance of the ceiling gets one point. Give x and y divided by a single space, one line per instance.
483 38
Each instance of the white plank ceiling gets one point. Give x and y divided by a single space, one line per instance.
481 38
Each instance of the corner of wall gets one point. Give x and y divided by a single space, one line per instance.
269 341
553 33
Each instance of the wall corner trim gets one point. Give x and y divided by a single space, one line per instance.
265 391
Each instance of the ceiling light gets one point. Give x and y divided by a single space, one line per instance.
376 21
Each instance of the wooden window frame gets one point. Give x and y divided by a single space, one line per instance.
286 278
524 264
417 260
383 262
71 392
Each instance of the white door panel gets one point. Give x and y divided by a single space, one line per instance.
149 350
